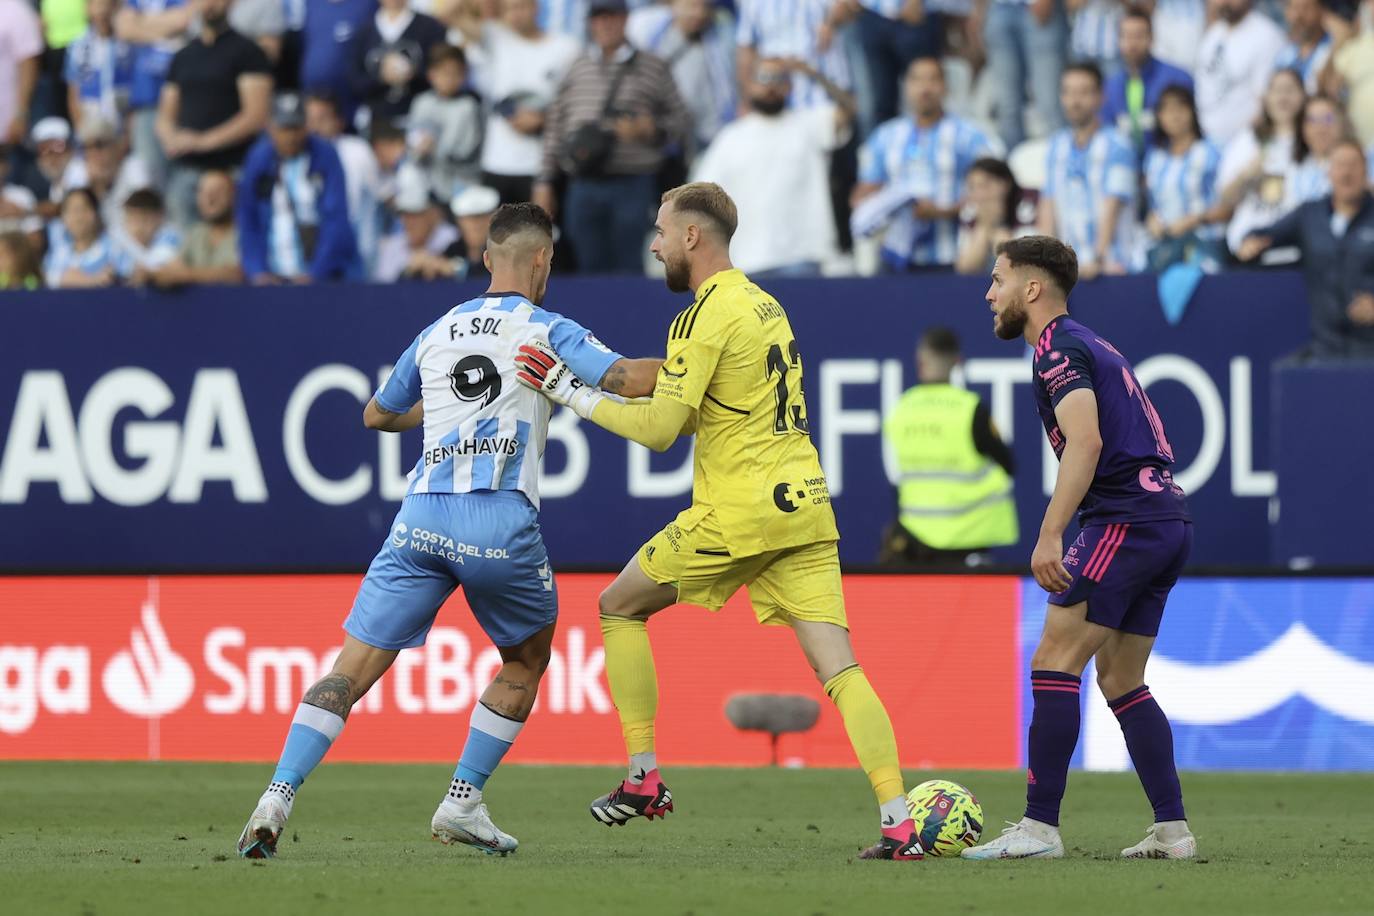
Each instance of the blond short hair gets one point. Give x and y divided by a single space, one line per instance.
709 200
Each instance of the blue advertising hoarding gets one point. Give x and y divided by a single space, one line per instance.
1259 674
219 428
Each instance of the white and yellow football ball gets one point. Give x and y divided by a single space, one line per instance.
948 817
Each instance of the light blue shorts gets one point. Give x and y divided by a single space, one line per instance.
488 542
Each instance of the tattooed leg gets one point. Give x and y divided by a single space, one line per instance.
497 720
332 693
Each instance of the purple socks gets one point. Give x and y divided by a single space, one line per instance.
1151 743
1053 735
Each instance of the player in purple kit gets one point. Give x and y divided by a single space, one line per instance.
1107 593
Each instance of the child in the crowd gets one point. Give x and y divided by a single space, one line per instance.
84 255
446 124
19 268
148 241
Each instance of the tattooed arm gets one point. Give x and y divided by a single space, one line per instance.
631 378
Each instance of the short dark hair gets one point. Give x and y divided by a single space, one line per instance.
1138 12
1045 253
443 53
707 199
323 94
941 341
1086 67
145 199
510 219
384 129
1353 144
928 59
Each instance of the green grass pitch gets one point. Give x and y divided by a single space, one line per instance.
103 838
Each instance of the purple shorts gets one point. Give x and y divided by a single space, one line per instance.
1125 572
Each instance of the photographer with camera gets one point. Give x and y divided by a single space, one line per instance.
616 111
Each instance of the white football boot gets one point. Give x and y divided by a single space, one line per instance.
259 837
1026 839
470 824
1165 840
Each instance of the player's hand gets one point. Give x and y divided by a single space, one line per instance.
540 368
1047 564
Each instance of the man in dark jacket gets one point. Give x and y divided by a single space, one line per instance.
1130 94
293 205
1336 237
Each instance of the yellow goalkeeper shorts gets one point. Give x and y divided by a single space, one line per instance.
793 583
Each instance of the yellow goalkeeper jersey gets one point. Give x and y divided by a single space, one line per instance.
732 357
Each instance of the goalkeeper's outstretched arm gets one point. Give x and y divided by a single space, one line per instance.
655 424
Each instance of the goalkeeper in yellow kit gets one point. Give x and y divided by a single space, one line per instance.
760 514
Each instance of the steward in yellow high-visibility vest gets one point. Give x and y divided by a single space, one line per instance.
954 487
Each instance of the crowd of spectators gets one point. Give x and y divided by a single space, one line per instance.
168 142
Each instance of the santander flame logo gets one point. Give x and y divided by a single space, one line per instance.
148 679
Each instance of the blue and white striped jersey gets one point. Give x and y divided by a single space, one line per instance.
294 206
927 164
483 429
1310 66
1095 28
1080 179
1182 186
62 256
788 28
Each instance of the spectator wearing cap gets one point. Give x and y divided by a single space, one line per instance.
446 123
792 28
616 111
427 247
210 247
389 66
1308 47
146 242
51 142
911 175
329 48
1336 237
1130 95
99 68
18 204
697 41
293 205
361 175
21 50
156 29
19 207
473 208
517 67
101 168
214 103
773 190
85 256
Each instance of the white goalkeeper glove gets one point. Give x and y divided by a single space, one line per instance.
543 370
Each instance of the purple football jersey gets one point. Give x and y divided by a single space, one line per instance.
1132 482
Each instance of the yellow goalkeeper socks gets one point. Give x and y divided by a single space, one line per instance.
869 729
634 682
